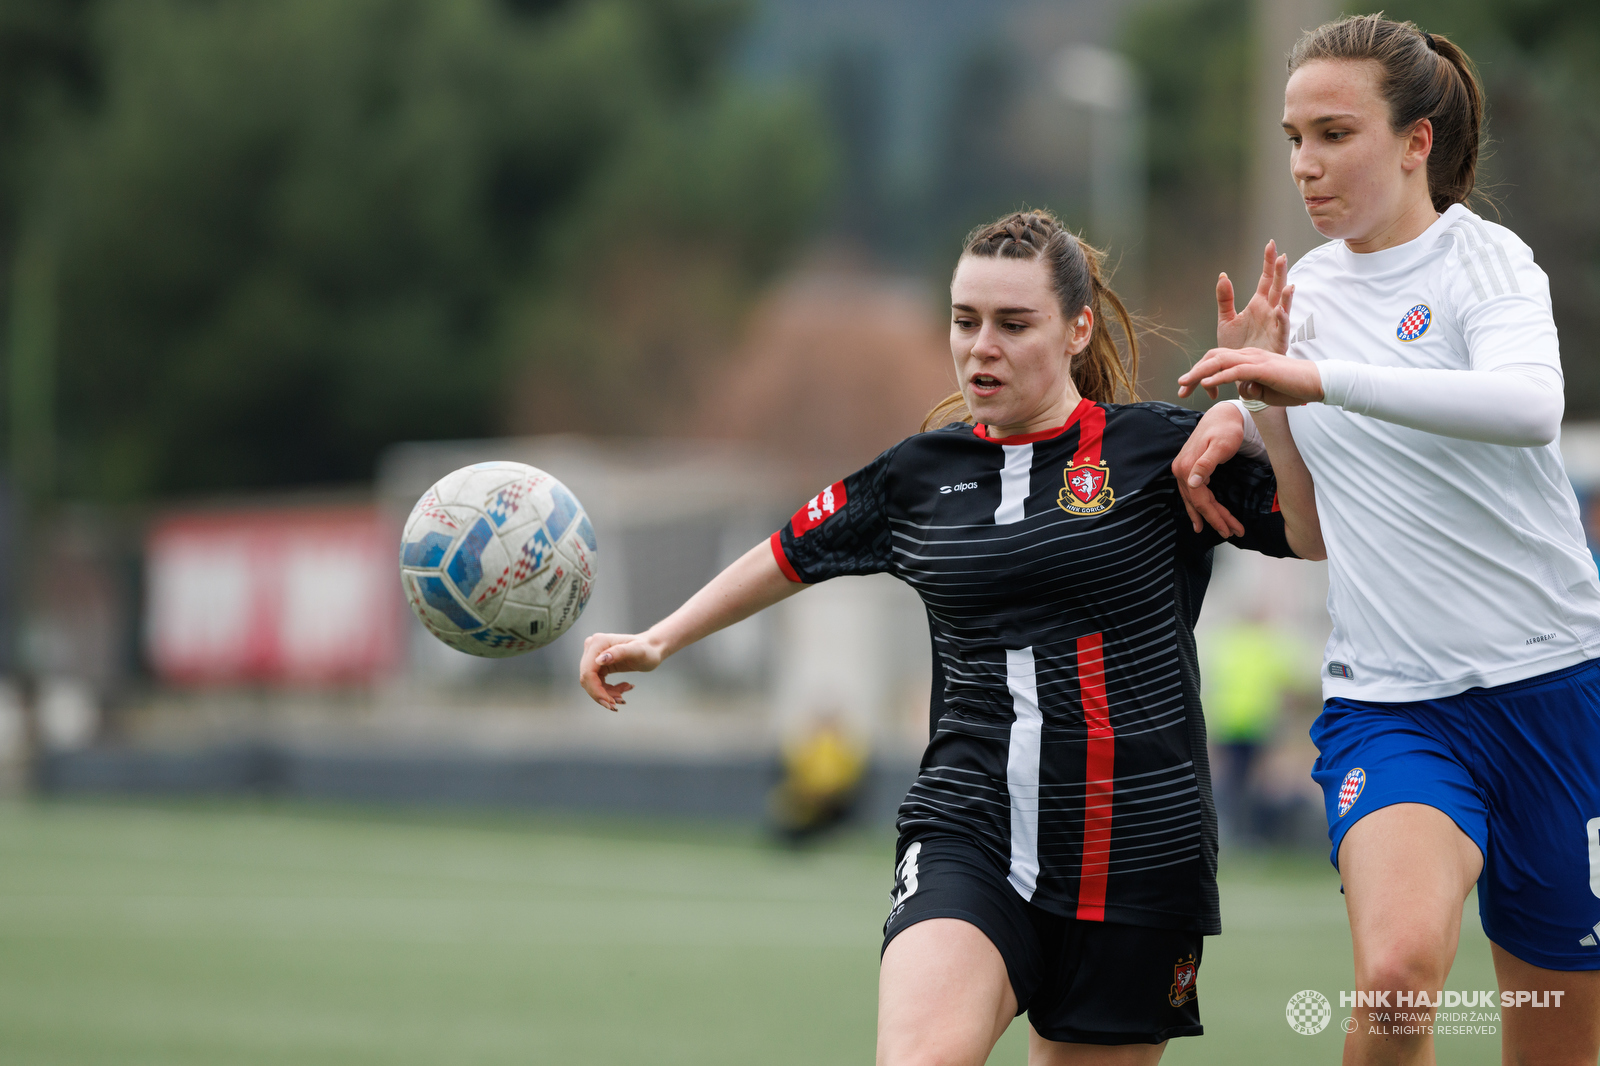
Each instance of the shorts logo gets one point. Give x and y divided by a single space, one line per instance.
1350 791
905 876
1088 490
1415 323
1183 975
1341 670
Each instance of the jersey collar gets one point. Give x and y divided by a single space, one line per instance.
981 431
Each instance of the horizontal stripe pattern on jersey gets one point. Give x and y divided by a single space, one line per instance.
1062 581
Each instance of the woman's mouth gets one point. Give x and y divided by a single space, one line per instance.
1314 202
985 384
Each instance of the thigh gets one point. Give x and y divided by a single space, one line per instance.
1042 1052
960 953
1539 763
943 995
1557 1023
1406 870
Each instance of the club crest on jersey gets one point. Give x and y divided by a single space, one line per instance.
1350 791
1088 489
1415 323
1183 976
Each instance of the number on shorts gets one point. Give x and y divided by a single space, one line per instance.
907 873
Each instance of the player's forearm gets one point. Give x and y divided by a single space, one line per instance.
1519 406
1297 497
750 584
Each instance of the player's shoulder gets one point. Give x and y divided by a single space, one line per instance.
1488 257
1152 414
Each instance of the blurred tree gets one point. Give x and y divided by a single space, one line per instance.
291 233
1540 62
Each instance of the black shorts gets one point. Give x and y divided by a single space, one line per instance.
1080 982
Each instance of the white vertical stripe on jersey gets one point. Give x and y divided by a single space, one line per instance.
1014 486
1022 767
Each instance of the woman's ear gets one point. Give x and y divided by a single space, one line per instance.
1081 332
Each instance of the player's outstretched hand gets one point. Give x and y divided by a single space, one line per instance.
1264 322
1260 374
611 653
1214 441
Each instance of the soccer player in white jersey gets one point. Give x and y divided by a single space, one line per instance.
1417 358
1057 851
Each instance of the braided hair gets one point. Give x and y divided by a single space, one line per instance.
1099 371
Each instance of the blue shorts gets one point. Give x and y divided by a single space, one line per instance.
1517 767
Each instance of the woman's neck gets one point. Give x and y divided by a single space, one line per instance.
1410 224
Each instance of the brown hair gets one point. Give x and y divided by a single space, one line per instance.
1424 76
1099 371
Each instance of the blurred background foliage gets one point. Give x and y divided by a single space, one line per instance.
262 240
290 233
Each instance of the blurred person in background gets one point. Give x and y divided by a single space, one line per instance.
1057 851
1460 734
823 770
1251 669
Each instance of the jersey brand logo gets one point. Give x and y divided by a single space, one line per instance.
963 486
1341 670
1415 323
1088 490
1350 790
1183 975
818 509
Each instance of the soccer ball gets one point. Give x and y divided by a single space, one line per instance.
498 559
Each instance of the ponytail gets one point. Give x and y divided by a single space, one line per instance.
1424 76
1100 372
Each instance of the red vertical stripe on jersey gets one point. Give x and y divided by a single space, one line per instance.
1091 428
1099 763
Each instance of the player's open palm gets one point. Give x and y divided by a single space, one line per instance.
1264 322
612 653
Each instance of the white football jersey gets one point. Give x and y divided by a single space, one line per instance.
1453 563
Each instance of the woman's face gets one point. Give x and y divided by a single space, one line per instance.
1013 347
1356 174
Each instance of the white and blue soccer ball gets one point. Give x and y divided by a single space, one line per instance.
498 559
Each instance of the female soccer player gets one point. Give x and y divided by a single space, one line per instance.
1057 852
1460 737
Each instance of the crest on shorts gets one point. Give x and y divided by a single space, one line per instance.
1350 791
1415 323
1088 489
1183 975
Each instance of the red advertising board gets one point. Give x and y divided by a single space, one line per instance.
292 596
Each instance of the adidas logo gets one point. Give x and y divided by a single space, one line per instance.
1589 941
1306 332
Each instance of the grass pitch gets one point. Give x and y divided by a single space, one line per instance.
252 935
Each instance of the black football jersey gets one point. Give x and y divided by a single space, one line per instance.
1062 581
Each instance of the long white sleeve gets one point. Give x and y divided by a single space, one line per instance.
1519 405
1496 305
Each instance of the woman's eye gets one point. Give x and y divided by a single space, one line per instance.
1337 135
1295 141
1015 327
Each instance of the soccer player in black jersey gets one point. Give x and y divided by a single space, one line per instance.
1057 852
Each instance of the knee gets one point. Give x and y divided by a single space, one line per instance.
1402 966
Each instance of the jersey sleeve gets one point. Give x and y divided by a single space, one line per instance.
1244 485
1511 390
842 530
1247 488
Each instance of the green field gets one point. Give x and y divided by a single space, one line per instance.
220 935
